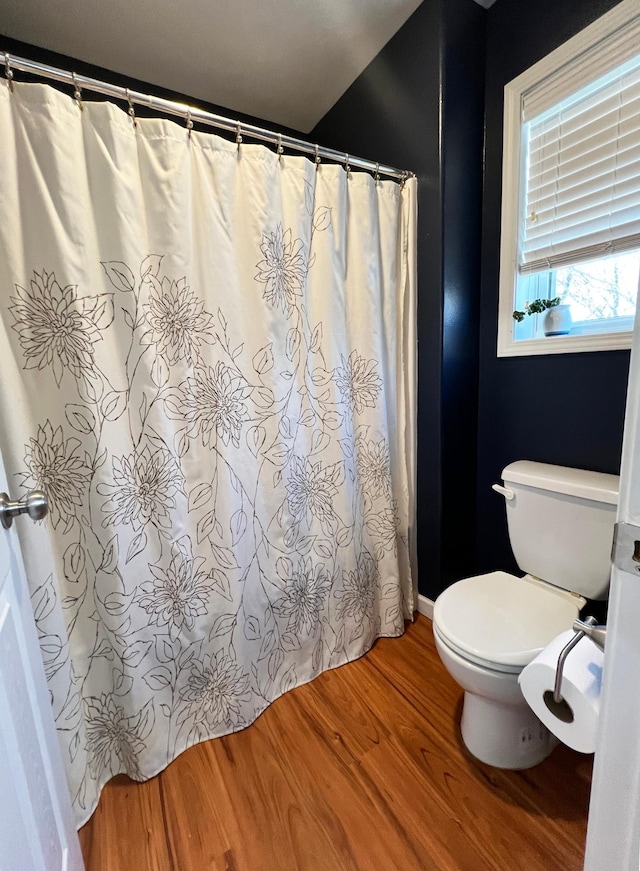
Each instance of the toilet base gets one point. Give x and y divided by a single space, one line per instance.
505 736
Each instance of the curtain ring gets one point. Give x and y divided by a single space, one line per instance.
377 174
189 123
8 72
131 110
279 149
317 157
238 136
77 92
403 179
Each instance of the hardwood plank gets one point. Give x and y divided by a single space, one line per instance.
269 823
127 828
196 831
424 766
556 789
337 795
360 770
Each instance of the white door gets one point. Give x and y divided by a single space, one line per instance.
613 838
37 830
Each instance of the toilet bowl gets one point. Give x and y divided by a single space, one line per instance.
487 628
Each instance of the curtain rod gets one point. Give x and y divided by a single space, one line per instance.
191 113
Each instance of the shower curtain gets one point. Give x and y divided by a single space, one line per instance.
208 367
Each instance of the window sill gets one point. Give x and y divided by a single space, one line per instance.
508 347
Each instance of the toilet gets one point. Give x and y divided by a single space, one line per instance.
489 627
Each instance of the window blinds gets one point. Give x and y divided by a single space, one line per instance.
582 197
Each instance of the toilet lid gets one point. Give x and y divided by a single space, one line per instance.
501 620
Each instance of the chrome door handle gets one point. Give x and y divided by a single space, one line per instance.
34 504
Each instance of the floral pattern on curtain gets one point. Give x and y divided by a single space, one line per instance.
210 375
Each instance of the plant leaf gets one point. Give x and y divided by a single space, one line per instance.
114 404
263 359
120 276
158 678
205 525
255 437
199 496
137 545
238 526
80 418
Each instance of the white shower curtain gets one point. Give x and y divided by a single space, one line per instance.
208 366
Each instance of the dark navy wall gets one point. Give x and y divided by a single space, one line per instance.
419 106
566 409
463 106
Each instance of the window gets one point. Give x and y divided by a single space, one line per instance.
571 194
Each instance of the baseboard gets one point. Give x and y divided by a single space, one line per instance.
425 606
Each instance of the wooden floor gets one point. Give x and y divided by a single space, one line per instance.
361 770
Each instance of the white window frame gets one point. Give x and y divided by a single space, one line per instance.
513 193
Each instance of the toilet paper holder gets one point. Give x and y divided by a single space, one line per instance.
587 627
598 634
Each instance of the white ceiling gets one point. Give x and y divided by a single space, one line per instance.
286 61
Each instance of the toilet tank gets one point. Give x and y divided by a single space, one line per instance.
561 524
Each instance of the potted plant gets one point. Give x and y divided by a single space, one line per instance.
557 320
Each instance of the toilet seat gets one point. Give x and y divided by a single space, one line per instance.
500 621
469 659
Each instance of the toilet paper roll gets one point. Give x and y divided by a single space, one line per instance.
575 720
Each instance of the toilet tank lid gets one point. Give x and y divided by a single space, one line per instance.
597 486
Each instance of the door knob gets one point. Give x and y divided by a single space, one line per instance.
34 504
